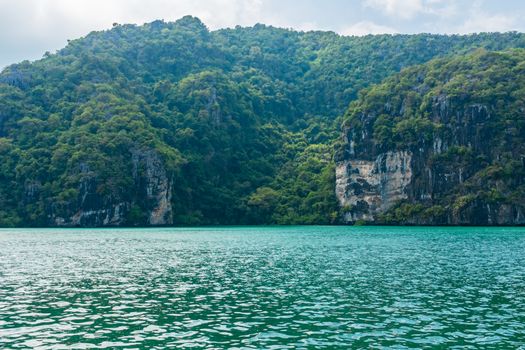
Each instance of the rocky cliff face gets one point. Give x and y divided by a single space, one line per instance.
425 156
155 186
91 208
368 187
151 193
370 181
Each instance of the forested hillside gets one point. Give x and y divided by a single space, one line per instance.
170 123
441 143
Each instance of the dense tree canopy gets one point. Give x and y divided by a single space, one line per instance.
245 120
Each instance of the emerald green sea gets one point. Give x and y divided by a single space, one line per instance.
263 288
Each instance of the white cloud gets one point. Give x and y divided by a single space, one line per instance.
488 23
216 13
478 20
366 27
403 8
408 9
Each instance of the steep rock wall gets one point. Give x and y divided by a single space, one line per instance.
155 186
365 188
151 193
435 176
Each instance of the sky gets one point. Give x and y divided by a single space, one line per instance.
28 28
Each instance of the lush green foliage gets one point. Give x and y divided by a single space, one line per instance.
244 119
463 119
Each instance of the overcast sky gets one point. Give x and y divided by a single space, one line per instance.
28 28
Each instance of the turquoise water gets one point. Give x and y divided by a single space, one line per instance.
265 288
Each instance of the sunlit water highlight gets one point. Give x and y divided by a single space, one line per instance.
265 288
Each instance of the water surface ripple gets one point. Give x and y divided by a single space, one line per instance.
265 288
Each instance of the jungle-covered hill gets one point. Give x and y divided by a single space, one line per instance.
170 123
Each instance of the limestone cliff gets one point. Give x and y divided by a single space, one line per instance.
154 183
150 193
367 187
418 150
